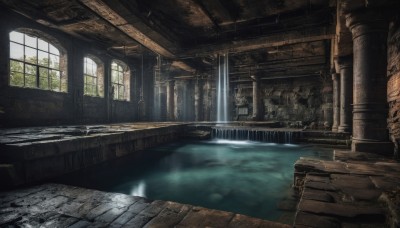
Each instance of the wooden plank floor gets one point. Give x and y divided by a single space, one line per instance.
56 205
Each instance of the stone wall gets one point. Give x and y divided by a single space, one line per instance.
290 100
393 91
28 107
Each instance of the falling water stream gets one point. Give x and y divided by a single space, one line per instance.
222 88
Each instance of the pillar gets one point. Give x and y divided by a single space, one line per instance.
369 29
346 93
198 100
256 98
170 100
336 101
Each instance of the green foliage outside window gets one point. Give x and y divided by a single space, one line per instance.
118 81
34 63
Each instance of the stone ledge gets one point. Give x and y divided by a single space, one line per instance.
349 192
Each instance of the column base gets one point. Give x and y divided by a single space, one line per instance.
344 128
384 148
334 128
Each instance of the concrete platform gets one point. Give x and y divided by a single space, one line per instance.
32 154
55 205
354 190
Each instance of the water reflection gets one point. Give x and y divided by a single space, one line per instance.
243 177
139 189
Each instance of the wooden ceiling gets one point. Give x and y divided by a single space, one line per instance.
261 35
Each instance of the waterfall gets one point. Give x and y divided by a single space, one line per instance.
256 135
222 88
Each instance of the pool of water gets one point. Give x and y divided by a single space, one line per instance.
250 178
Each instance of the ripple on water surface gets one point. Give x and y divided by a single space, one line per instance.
245 177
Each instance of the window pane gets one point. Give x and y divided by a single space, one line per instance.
121 92
30 81
92 90
54 50
54 62
17 37
115 88
16 79
89 80
43 45
89 69
30 41
43 58
120 68
114 66
43 72
30 55
120 78
16 51
114 76
30 69
16 66
87 89
44 83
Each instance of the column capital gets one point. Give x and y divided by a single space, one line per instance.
347 6
365 20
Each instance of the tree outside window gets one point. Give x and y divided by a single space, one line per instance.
93 76
36 63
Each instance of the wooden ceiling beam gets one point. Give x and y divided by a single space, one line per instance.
108 14
275 40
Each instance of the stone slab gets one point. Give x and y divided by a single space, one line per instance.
317 195
56 205
341 210
351 181
311 220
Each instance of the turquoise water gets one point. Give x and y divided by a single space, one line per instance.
250 178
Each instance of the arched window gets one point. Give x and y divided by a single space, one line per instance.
120 80
93 71
36 63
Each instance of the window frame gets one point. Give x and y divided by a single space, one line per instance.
122 70
42 81
97 77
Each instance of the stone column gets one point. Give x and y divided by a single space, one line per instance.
256 98
170 101
369 29
198 100
346 93
336 101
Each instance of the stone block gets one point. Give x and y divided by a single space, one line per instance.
311 220
202 217
317 195
384 148
351 181
342 210
319 186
